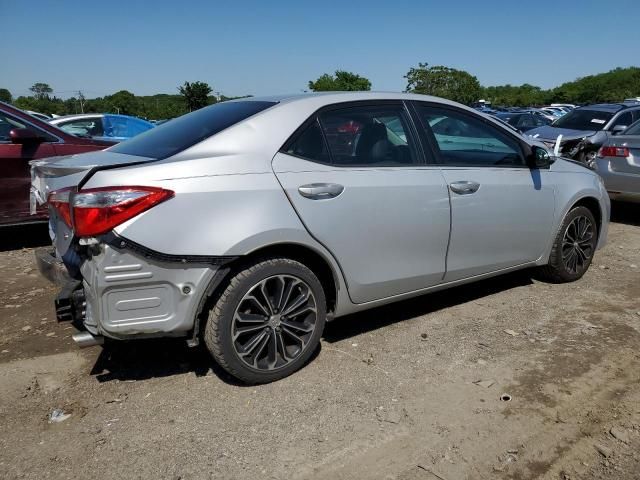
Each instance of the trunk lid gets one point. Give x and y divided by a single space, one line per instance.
56 173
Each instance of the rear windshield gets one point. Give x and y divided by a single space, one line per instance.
181 133
583 120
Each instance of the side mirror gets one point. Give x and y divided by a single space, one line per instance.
24 135
539 158
618 129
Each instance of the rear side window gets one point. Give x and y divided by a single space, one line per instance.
358 136
310 144
467 141
183 132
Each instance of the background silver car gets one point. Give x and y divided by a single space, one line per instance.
618 163
250 223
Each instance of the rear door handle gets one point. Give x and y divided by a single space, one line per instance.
464 187
320 191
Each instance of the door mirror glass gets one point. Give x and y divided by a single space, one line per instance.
540 157
24 135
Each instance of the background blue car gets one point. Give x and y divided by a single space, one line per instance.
102 126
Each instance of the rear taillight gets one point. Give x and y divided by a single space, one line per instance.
59 200
98 210
608 151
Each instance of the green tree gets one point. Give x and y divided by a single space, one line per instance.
41 90
515 95
195 94
342 81
123 102
441 81
5 95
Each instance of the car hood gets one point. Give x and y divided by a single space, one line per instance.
567 165
550 133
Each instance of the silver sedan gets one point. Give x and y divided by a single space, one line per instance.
249 224
618 162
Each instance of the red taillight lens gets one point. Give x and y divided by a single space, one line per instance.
99 210
59 200
608 151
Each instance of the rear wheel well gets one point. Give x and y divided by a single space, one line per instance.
594 207
308 257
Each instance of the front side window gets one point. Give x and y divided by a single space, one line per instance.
183 132
8 123
633 129
467 141
625 120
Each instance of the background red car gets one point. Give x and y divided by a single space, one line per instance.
24 138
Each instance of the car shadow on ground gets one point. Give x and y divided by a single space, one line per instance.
24 236
146 359
625 212
370 320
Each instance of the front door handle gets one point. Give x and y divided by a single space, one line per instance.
464 187
320 191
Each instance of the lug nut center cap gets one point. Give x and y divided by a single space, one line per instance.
274 320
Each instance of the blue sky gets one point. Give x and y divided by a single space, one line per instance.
269 47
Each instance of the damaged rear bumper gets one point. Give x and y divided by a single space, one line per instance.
51 267
129 295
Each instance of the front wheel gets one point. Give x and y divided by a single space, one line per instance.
268 321
573 247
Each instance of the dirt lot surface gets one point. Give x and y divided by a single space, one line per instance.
410 391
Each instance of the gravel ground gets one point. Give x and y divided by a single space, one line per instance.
409 391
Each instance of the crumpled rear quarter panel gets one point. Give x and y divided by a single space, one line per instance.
127 294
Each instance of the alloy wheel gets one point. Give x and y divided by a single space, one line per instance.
577 244
274 321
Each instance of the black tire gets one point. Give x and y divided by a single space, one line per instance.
561 267
222 322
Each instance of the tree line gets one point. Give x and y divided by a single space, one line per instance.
191 96
458 85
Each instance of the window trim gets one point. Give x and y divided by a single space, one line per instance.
427 136
412 133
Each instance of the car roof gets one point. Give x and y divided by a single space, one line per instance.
606 107
340 97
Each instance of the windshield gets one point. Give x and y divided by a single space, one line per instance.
181 133
634 129
583 120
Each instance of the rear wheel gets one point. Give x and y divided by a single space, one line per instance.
573 247
268 321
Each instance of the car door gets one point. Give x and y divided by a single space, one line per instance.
355 175
15 177
501 211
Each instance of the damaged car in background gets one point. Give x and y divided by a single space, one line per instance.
248 224
618 164
582 131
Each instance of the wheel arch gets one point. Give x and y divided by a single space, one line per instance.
304 254
593 205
